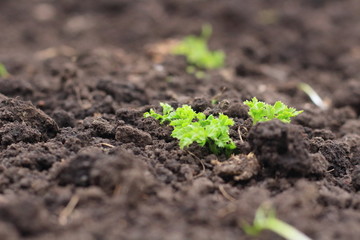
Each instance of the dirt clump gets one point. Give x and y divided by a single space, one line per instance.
281 148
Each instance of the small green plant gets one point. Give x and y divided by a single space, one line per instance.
197 53
265 219
3 71
261 112
191 127
214 101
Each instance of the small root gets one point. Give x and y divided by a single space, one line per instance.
230 208
239 132
225 194
107 145
201 162
68 210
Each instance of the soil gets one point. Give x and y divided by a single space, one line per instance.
79 161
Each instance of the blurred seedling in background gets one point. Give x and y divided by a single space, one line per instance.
191 127
262 112
214 101
197 53
315 98
265 219
3 71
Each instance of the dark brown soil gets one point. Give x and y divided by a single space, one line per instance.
78 160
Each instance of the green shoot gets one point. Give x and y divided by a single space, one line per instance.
214 101
315 98
265 219
3 71
168 112
261 112
191 127
197 53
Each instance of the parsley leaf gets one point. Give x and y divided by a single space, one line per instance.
191 127
261 112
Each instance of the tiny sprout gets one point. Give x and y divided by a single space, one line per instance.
214 101
197 53
265 219
3 71
315 98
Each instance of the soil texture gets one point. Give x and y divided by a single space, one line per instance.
79 162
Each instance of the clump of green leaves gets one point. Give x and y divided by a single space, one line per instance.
261 112
3 71
265 219
197 53
191 127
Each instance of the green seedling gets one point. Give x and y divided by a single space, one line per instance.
3 71
265 219
262 112
214 101
197 53
167 116
191 127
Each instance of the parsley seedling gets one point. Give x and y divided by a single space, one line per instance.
191 127
197 53
261 112
168 112
265 219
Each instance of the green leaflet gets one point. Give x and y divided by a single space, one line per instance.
168 111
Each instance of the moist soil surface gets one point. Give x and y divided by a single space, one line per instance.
79 161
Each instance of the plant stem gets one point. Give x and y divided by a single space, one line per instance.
315 98
265 219
285 230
